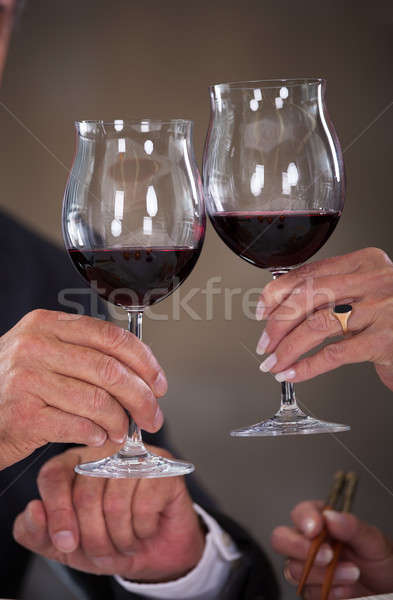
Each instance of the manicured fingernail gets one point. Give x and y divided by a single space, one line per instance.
259 311
263 343
309 526
324 556
160 384
334 517
104 562
347 574
285 375
158 418
99 439
64 541
268 363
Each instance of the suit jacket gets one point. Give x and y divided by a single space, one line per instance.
33 272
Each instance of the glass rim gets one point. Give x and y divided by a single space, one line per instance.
268 83
134 122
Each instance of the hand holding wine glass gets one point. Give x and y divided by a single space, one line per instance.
134 224
72 379
299 319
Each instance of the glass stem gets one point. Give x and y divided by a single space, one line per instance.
133 446
288 397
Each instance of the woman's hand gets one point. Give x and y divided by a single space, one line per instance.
298 308
366 561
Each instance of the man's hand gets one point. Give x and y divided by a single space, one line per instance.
69 379
366 562
298 309
140 529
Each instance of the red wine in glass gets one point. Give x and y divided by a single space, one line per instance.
135 277
275 239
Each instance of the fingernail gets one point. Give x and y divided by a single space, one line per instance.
158 418
259 311
160 384
119 440
263 343
347 574
308 526
64 541
30 523
285 375
99 439
324 556
334 517
288 576
104 562
268 363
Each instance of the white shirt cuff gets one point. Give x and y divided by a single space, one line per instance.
206 580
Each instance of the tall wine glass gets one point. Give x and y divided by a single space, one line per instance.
274 188
133 225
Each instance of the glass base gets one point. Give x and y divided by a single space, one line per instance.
145 466
289 422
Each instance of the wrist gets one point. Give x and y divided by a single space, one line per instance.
185 559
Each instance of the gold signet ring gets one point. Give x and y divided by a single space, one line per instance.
342 312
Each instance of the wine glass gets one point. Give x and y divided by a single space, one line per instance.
133 225
274 187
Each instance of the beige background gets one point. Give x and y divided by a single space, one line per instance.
98 59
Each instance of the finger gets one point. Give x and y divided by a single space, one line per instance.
150 500
359 348
104 372
118 496
79 398
53 425
275 292
367 541
30 528
345 573
107 338
311 295
88 501
308 303
55 482
339 592
307 517
291 543
314 330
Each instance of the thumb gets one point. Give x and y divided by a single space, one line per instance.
365 540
